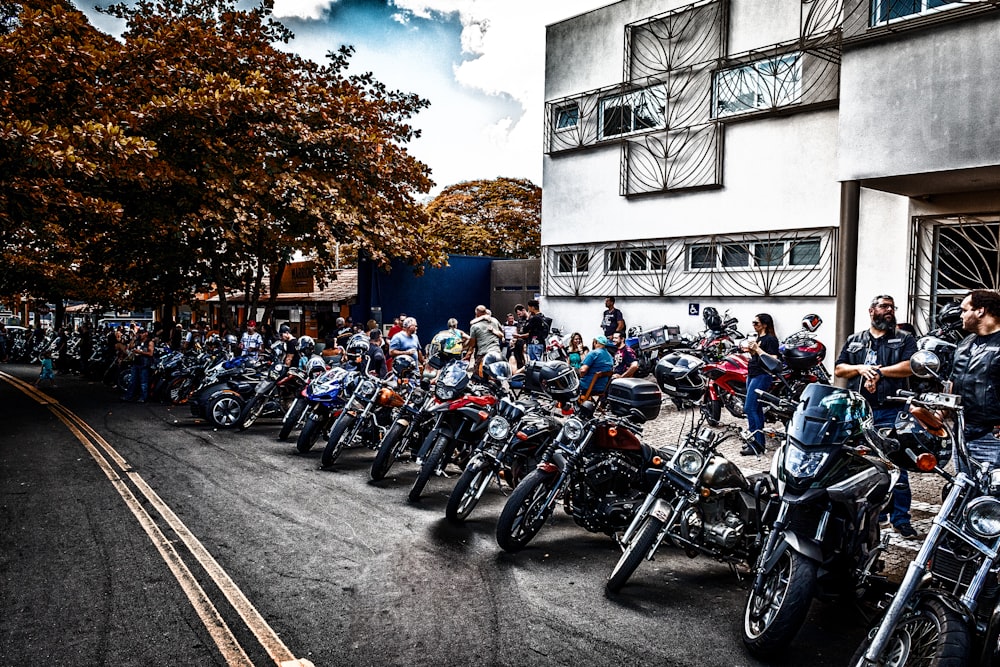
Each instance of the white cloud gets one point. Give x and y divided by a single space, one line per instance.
303 9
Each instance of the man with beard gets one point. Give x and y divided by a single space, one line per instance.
976 373
876 362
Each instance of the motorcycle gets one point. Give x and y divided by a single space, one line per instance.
821 527
412 421
648 346
459 410
312 367
226 390
554 348
596 464
325 397
947 608
719 339
701 503
276 390
365 418
515 433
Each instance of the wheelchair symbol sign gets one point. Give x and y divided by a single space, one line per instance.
693 309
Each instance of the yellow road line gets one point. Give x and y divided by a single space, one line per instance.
224 639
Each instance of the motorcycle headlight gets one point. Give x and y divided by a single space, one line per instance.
573 428
690 462
366 389
983 516
498 428
444 393
799 463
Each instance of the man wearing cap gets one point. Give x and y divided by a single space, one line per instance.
252 341
598 360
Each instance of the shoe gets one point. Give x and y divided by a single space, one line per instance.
906 531
749 451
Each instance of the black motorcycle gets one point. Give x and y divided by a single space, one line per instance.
273 394
597 465
701 503
822 524
650 346
365 418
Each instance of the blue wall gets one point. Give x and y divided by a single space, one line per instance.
452 291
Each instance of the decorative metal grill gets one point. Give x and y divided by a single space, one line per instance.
952 255
786 263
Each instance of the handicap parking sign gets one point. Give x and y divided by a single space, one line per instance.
694 309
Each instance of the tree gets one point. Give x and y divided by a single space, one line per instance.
497 218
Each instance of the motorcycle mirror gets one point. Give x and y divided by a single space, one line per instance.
925 364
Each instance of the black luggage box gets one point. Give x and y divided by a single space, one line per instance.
626 394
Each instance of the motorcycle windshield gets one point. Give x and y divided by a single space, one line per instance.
454 374
828 416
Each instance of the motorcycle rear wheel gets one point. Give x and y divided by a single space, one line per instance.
340 435
634 553
309 434
772 619
525 512
224 410
179 390
469 488
292 418
430 465
932 633
390 447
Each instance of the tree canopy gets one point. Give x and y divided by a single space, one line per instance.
192 152
498 218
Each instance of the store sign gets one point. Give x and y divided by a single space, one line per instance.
298 277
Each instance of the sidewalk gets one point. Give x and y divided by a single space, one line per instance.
672 424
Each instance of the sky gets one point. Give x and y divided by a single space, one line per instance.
480 63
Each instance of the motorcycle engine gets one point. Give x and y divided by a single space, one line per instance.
712 523
604 492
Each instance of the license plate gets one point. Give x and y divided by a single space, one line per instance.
661 511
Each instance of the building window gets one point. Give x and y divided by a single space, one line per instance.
632 112
701 256
764 84
614 261
884 11
786 253
631 260
805 252
567 117
576 261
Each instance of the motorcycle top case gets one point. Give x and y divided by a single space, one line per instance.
626 394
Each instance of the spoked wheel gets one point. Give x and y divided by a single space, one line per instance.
634 553
309 434
340 436
253 409
179 390
526 511
773 617
430 465
390 448
932 633
468 490
224 410
292 418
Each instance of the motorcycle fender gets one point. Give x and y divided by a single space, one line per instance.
796 543
559 459
662 510
403 422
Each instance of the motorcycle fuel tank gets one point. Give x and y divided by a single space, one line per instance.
721 473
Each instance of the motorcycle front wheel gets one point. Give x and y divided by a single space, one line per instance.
526 511
773 617
469 488
932 633
179 389
429 466
292 418
252 410
340 434
309 434
390 447
712 409
634 553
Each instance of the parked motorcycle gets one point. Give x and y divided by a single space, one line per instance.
274 393
649 346
325 397
946 611
822 524
517 430
365 418
597 465
701 503
412 421
222 398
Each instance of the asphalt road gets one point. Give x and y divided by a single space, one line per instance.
175 544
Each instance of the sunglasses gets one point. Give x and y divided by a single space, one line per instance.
756 323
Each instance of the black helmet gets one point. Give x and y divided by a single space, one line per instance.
950 314
920 431
678 376
556 378
403 365
710 316
804 354
358 345
495 366
307 345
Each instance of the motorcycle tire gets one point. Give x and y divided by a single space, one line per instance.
932 633
390 448
224 410
124 378
772 619
340 436
251 411
309 434
292 418
179 390
525 512
430 465
634 553
712 409
468 490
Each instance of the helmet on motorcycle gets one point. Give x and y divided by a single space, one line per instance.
231 339
920 431
811 322
949 315
358 345
678 376
448 344
495 366
403 365
307 345
710 316
804 355
556 378
828 416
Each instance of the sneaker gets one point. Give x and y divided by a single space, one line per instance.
906 531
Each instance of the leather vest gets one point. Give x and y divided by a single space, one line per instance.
975 374
891 348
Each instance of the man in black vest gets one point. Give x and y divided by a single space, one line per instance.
976 373
876 363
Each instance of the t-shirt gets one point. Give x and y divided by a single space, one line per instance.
624 358
251 343
405 342
485 334
597 361
610 321
537 327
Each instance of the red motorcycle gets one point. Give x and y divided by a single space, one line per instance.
726 380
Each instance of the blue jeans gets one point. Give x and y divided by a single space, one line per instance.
753 409
901 494
140 381
535 351
983 448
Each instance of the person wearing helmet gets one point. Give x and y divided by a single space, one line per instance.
876 363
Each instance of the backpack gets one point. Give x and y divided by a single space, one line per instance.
547 321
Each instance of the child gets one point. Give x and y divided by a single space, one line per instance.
46 374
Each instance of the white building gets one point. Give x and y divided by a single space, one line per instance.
781 156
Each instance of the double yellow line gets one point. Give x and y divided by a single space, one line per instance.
120 474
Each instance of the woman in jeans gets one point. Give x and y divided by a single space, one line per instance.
758 378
